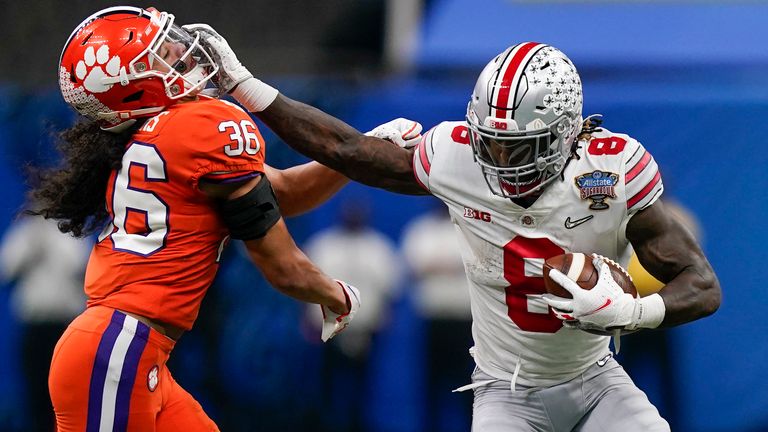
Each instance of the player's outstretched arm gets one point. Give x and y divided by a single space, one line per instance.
671 254
304 187
301 188
330 141
324 138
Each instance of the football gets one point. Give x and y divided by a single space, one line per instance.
579 268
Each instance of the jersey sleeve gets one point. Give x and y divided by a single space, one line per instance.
424 156
222 177
221 143
642 178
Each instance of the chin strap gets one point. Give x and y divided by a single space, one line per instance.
126 119
120 127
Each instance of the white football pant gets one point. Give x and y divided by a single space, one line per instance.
602 399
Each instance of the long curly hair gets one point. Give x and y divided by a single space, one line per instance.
74 193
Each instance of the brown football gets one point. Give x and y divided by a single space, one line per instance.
579 268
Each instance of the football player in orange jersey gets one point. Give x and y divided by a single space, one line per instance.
168 175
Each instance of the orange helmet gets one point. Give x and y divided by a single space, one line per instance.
123 63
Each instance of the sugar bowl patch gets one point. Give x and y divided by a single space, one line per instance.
597 186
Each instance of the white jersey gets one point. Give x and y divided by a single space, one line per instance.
504 245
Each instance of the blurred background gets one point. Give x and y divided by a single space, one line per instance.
688 79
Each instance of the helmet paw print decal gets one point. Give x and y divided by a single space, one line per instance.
95 66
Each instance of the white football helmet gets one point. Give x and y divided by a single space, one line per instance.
524 116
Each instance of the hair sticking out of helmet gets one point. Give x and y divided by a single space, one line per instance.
523 117
123 63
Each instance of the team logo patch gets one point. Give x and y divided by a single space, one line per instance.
597 186
471 213
152 378
528 220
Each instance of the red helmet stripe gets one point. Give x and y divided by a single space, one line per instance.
507 76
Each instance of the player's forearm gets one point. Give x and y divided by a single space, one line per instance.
301 280
301 188
333 143
311 132
693 294
670 254
289 270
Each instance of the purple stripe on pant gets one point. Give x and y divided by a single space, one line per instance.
99 373
128 376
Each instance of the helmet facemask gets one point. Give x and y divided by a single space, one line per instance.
523 118
175 56
519 164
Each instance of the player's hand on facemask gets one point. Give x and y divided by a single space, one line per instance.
334 323
231 71
403 132
233 77
605 306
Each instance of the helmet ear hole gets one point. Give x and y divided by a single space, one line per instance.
134 96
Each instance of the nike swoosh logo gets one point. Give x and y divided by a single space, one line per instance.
604 360
605 305
573 224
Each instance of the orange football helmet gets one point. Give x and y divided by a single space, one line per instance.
123 63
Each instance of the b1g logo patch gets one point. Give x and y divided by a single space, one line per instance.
471 213
597 186
152 378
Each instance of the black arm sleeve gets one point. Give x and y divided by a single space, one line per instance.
250 216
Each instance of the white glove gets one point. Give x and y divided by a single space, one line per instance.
231 71
604 307
233 77
334 323
403 132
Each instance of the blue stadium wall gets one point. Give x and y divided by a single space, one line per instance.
703 118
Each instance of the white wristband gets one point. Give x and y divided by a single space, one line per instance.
254 94
650 311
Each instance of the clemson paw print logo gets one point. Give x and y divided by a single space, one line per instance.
95 66
152 378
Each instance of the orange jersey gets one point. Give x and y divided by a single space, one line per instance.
159 254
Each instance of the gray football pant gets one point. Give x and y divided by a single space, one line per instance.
602 399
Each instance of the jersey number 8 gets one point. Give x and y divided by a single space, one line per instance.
526 280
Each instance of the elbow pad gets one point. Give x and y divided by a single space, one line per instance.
250 216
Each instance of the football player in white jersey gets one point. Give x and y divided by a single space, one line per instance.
525 179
